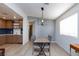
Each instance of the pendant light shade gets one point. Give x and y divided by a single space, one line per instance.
42 20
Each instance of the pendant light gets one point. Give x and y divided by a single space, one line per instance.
42 20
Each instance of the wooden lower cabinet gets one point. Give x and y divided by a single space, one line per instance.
2 40
17 38
14 39
10 39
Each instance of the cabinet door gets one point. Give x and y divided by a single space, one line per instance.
2 40
21 24
9 24
2 24
13 39
6 24
17 39
9 39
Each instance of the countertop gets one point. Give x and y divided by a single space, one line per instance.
9 34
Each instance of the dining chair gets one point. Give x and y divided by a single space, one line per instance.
47 46
50 40
35 47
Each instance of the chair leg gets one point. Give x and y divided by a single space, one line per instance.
70 51
32 50
49 49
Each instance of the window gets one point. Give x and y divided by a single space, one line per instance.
69 26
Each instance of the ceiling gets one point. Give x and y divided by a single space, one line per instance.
7 13
51 10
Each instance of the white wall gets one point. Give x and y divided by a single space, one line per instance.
63 40
25 20
25 31
45 30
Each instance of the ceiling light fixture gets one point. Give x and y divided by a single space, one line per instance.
42 21
4 17
14 17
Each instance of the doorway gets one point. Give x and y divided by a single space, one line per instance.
30 30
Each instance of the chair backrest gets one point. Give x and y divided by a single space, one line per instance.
49 37
33 38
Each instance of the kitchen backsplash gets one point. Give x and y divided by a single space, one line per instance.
7 31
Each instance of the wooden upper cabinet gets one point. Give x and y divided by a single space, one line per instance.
9 24
2 24
6 24
18 24
21 24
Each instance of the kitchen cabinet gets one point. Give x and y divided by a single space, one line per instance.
14 39
18 24
9 24
6 23
2 23
17 38
21 24
6 27
2 39
10 39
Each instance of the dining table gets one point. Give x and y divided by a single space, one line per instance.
42 42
